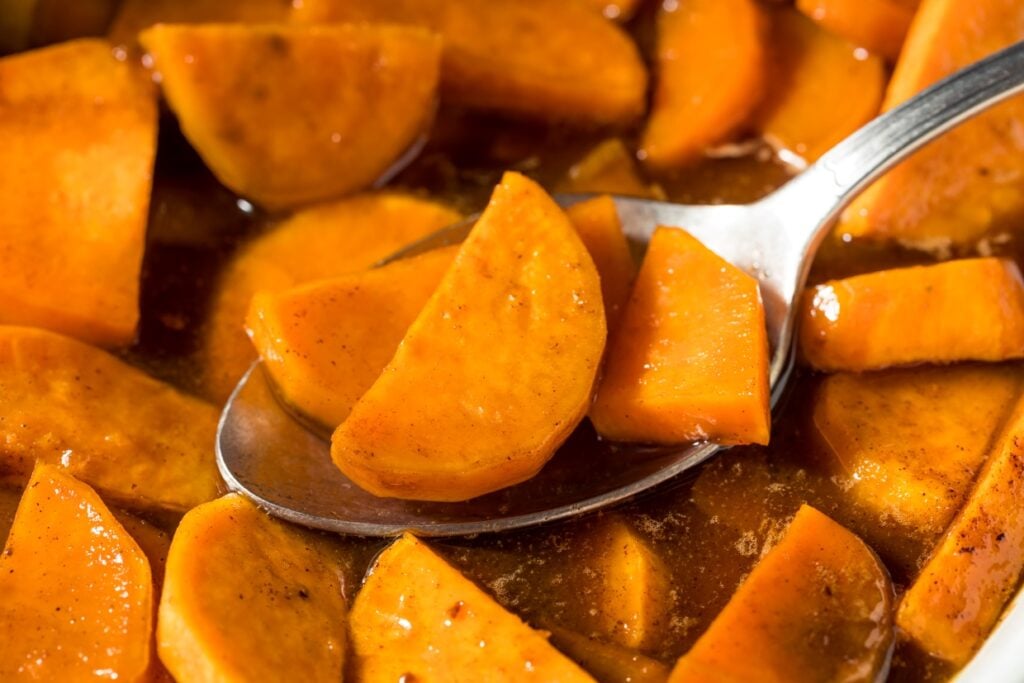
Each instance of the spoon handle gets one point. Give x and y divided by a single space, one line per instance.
829 185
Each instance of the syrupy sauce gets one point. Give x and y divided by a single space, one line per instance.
710 526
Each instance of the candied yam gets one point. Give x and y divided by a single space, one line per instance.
79 136
878 25
609 167
971 309
281 133
514 333
825 90
607 662
76 594
597 222
711 72
967 182
324 344
904 446
417 618
976 568
689 359
133 438
546 59
320 242
135 15
151 539
250 598
817 607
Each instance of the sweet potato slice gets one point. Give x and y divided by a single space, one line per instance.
969 181
878 25
324 344
79 136
976 568
135 439
905 445
971 309
597 222
711 69
825 89
608 662
418 618
545 59
513 337
250 598
317 243
689 359
76 595
609 167
281 133
817 607
135 15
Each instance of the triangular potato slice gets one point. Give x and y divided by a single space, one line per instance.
817 607
689 359
319 242
418 619
498 368
287 115
76 594
250 598
134 438
78 132
324 344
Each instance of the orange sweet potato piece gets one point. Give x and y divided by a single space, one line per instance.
976 568
324 344
689 359
250 598
153 541
135 15
317 243
609 167
878 25
905 445
133 438
76 595
513 336
545 59
281 133
825 90
711 69
597 222
417 617
79 136
969 181
971 309
817 607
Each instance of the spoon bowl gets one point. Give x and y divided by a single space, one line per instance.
269 456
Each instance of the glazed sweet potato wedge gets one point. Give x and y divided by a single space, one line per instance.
689 359
817 607
877 25
971 309
418 617
609 167
959 187
317 243
324 344
597 222
76 595
135 439
281 133
498 368
976 568
79 136
904 446
711 69
135 15
544 59
250 598
827 89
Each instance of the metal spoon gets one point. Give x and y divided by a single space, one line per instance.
270 457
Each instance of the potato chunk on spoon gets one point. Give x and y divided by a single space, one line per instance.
270 457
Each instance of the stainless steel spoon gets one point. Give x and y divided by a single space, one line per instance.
265 454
